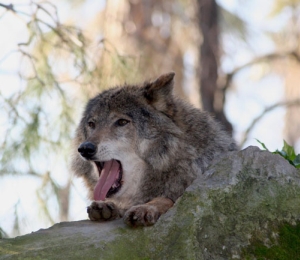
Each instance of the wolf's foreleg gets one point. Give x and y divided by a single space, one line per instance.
147 214
100 210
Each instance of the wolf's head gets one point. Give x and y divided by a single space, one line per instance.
125 130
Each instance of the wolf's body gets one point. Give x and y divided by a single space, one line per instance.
153 145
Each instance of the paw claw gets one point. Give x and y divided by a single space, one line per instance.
149 218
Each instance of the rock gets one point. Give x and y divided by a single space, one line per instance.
245 206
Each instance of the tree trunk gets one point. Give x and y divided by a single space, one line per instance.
292 92
212 98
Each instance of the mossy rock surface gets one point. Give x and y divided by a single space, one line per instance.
246 206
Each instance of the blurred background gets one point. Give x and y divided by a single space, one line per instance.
237 59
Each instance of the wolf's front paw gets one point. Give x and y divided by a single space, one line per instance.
141 215
100 210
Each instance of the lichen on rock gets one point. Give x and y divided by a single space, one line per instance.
243 207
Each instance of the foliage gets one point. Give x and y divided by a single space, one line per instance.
59 68
2 233
287 152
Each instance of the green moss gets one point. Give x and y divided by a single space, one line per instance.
286 246
165 240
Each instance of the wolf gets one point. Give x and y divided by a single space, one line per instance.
138 147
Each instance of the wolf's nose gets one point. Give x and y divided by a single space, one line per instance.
87 150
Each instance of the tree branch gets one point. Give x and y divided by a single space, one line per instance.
267 110
9 7
267 57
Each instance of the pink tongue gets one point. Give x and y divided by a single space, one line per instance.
108 176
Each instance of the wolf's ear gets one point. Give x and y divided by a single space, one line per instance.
158 93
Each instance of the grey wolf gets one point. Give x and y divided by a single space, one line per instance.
139 147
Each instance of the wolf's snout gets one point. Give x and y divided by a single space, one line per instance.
87 150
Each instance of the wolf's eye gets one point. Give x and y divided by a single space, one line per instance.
91 125
122 122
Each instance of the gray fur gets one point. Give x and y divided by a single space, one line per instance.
174 140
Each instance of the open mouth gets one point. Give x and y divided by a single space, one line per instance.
110 179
